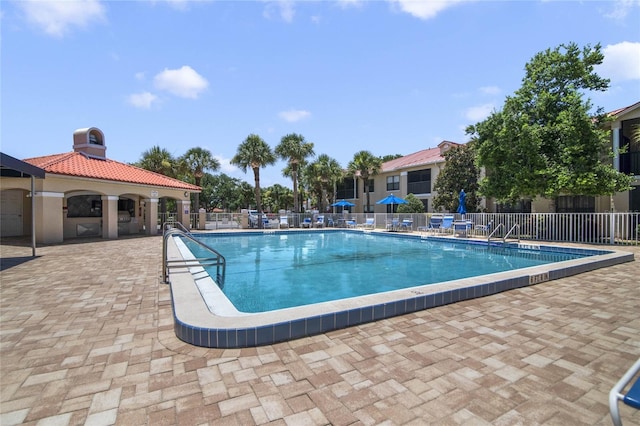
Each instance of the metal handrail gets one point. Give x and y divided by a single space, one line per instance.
500 225
218 260
179 225
516 226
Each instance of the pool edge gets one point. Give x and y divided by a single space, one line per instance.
195 324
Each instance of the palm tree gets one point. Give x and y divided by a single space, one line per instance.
365 165
295 150
197 160
324 173
158 160
254 153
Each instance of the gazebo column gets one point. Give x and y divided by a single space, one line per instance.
49 218
110 216
151 216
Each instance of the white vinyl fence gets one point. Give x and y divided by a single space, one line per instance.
589 228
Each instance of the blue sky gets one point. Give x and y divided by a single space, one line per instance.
392 77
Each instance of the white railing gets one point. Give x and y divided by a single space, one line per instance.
588 228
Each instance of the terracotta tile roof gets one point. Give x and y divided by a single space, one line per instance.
623 110
80 165
420 158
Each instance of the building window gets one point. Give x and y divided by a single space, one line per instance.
522 206
346 189
575 204
419 182
84 206
371 187
393 183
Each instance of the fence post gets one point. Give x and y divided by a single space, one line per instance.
612 229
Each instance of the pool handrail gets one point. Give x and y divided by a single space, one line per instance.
514 227
218 261
500 225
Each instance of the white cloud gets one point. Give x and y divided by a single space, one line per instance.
184 82
621 62
56 18
140 75
350 3
423 9
490 90
284 8
142 100
479 112
621 8
225 165
294 115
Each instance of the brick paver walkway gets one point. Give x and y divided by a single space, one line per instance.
87 338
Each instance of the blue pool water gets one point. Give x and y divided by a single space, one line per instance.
266 272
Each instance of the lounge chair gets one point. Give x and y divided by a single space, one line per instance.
435 222
351 223
265 222
284 222
319 221
306 223
392 225
631 398
447 223
369 223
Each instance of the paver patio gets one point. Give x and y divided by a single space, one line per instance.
87 337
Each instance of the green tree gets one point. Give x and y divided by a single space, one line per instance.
295 150
197 160
322 175
544 142
365 165
390 157
459 172
254 153
414 205
279 197
159 160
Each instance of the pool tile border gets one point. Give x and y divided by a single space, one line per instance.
194 326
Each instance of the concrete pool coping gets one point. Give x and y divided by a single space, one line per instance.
204 317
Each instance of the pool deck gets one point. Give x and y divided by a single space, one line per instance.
86 337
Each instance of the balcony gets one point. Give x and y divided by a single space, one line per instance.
630 163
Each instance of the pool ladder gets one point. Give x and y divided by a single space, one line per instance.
216 260
514 228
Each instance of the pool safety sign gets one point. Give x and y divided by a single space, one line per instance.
538 278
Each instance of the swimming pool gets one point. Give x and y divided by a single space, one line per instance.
204 316
303 268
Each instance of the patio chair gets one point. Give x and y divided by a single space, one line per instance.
461 228
631 398
484 228
406 225
369 223
351 223
392 225
284 222
306 223
319 221
265 222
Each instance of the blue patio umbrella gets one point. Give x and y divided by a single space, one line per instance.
343 203
462 207
392 199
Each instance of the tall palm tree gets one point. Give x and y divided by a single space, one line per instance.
159 160
295 150
254 153
197 160
365 165
325 173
